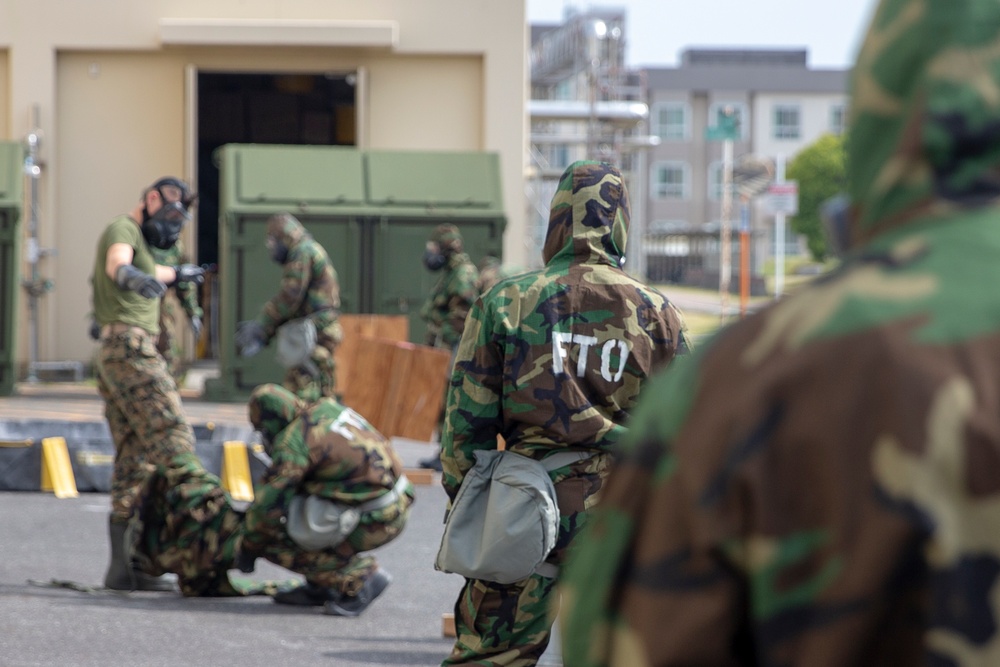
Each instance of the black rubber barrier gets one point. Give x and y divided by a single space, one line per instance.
91 451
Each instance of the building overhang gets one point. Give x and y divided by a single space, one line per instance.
624 113
279 32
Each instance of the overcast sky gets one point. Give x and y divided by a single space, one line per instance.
658 30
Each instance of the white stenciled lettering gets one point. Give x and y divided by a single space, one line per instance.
348 418
585 343
606 352
560 353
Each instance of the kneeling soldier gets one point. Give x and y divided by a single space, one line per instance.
335 489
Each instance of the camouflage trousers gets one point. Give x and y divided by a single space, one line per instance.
510 624
144 414
343 568
310 386
184 523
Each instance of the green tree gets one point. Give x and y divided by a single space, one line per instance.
819 170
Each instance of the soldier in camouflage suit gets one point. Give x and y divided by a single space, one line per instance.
447 307
491 271
142 405
309 287
449 302
553 360
187 295
821 485
329 451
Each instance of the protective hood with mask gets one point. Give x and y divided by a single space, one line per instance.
163 228
284 232
445 242
271 409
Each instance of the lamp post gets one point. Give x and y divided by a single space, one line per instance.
597 32
725 131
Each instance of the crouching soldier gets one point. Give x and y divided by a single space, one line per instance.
335 489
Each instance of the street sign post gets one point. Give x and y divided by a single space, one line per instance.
782 198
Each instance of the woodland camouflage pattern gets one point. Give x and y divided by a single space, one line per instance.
330 451
449 302
144 414
308 285
820 485
186 525
550 360
186 294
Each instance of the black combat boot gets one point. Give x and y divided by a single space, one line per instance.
306 595
122 575
353 605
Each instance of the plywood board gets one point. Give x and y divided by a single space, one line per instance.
357 328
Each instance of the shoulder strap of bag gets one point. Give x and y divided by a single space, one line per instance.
560 459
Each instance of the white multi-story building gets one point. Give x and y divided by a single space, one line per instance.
779 105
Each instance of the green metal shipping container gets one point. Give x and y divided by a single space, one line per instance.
11 191
373 212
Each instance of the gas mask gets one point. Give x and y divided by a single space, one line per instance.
163 228
277 250
433 258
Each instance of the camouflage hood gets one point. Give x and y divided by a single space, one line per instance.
271 409
589 216
925 117
286 228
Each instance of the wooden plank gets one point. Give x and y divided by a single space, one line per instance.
448 625
356 328
417 406
369 382
421 476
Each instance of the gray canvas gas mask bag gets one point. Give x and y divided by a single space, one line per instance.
504 521
295 340
316 523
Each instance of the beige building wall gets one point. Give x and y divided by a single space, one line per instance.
115 102
4 94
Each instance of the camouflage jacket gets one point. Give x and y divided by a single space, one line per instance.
816 486
187 292
555 358
329 451
308 284
449 302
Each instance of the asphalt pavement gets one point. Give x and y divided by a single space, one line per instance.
53 553
52 550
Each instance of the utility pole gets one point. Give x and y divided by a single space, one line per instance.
725 131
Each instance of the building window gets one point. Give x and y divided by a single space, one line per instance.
739 114
670 180
787 121
838 118
670 121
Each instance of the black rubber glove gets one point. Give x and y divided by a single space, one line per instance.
94 330
130 278
249 338
189 273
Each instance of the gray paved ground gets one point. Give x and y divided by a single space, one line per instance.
43 538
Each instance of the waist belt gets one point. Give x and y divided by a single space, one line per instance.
120 328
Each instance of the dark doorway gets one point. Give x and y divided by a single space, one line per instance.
264 109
